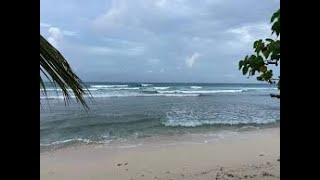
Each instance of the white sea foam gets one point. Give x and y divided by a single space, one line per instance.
143 95
122 95
53 89
196 87
201 92
194 123
258 88
58 89
68 141
109 86
121 90
127 88
52 97
161 88
145 85
129 146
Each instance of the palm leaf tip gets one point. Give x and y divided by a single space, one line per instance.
58 71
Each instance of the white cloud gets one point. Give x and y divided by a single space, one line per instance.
55 36
249 33
104 50
55 32
53 29
192 59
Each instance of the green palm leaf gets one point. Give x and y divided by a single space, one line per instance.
57 70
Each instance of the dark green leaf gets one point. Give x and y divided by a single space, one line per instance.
270 40
240 64
263 69
275 56
245 70
275 15
276 28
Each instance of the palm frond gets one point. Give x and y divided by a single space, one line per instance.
58 71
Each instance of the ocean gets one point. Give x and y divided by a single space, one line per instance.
132 112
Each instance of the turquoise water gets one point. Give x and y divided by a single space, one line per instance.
128 111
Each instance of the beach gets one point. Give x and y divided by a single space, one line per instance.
159 90
162 131
251 154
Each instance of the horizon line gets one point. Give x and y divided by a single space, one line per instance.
146 82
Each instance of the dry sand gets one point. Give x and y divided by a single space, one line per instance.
246 155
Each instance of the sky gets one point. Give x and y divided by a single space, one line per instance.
157 40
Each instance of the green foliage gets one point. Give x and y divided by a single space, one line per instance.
267 52
57 70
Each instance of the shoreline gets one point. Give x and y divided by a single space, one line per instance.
202 136
246 155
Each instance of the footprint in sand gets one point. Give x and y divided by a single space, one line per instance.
230 175
264 173
121 164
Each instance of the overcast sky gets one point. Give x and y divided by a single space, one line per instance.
156 40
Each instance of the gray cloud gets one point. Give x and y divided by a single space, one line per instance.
160 40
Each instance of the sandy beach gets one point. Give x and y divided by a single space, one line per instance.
159 90
245 155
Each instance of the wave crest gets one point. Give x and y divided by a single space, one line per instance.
195 123
161 88
109 86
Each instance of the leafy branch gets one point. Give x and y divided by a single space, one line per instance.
267 52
